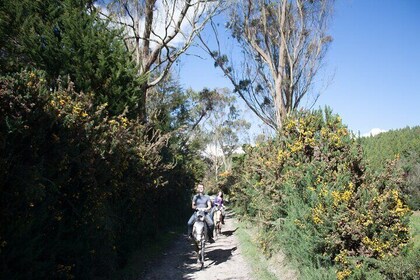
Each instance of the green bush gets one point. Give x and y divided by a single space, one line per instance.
80 188
311 193
405 266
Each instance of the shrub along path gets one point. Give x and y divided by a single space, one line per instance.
223 259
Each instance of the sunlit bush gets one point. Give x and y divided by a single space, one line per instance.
309 192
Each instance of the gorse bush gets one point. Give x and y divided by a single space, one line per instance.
309 191
80 188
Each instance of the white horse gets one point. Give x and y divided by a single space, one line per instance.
200 235
217 219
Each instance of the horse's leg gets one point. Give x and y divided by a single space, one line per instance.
203 246
216 221
197 251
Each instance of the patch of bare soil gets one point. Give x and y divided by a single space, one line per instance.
223 259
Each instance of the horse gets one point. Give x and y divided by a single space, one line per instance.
217 219
200 235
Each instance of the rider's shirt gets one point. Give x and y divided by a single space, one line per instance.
218 201
201 200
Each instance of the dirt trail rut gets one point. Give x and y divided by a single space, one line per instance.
223 260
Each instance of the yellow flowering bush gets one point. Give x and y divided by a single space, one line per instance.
317 199
77 172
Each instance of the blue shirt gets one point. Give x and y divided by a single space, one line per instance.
201 200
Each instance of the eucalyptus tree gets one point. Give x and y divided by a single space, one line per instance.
283 43
158 32
224 131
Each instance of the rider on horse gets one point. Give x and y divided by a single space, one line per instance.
200 200
218 203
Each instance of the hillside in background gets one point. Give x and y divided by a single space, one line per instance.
403 144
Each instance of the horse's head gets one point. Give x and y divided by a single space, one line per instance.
200 215
217 215
198 230
199 225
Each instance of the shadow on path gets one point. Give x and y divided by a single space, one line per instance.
229 232
180 260
219 255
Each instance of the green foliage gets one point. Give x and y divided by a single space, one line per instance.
83 184
258 262
403 144
172 108
406 266
310 193
66 39
415 229
387 145
221 133
80 187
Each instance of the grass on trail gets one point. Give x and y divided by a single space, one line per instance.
415 228
262 268
252 254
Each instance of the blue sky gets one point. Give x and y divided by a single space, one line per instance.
374 60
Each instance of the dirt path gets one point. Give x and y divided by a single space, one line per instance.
223 259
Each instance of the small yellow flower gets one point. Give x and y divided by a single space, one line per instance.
343 274
317 214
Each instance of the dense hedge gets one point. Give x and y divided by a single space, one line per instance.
79 189
310 193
